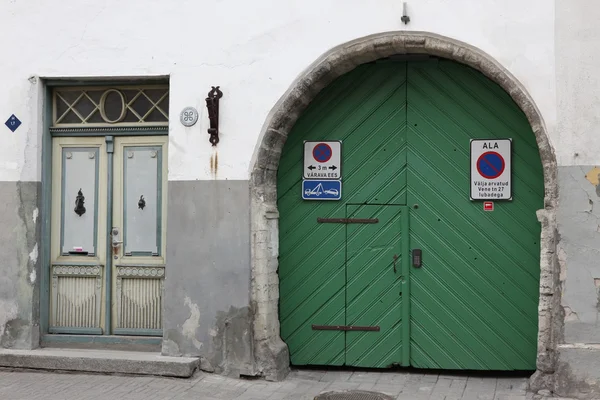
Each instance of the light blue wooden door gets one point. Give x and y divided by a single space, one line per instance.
108 237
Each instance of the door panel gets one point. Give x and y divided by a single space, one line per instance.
142 198
78 252
312 255
374 286
474 301
79 218
317 284
139 223
81 282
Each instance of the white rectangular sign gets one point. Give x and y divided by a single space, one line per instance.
323 160
491 169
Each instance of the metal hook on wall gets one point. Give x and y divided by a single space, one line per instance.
212 104
405 18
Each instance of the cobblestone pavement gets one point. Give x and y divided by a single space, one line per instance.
300 385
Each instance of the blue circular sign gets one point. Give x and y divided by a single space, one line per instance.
322 152
490 165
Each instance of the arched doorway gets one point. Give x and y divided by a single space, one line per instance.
271 353
350 293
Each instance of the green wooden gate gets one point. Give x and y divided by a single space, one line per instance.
349 294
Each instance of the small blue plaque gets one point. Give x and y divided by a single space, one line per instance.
321 190
13 123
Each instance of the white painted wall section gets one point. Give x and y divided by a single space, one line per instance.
253 50
578 81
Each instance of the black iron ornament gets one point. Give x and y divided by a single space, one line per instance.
212 104
79 201
142 202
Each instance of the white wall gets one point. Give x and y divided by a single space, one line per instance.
253 49
578 80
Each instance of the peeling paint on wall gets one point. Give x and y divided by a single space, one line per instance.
35 215
19 290
570 315
562 263
33 256
232 342
597 284
593 176
8 312
192 323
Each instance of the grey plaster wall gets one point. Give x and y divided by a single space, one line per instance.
19 264
207 306
578 373
578 368
579 251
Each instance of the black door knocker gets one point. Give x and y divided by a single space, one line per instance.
79 201
142 203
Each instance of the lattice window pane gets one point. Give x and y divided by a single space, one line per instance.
155 116
96 118
109 106
85 106
70 118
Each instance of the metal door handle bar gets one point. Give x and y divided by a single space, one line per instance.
344 328
347 220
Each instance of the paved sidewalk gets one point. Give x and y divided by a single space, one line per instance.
300 385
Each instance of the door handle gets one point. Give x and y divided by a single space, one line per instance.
416 258
115 237
395 259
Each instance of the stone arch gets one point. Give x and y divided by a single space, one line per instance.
271 354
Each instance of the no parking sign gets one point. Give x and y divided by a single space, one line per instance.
491 169
322 177
322 160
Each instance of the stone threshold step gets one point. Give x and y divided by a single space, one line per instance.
104 361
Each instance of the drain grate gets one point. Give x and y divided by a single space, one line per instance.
353 395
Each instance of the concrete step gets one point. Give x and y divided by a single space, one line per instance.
105 361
